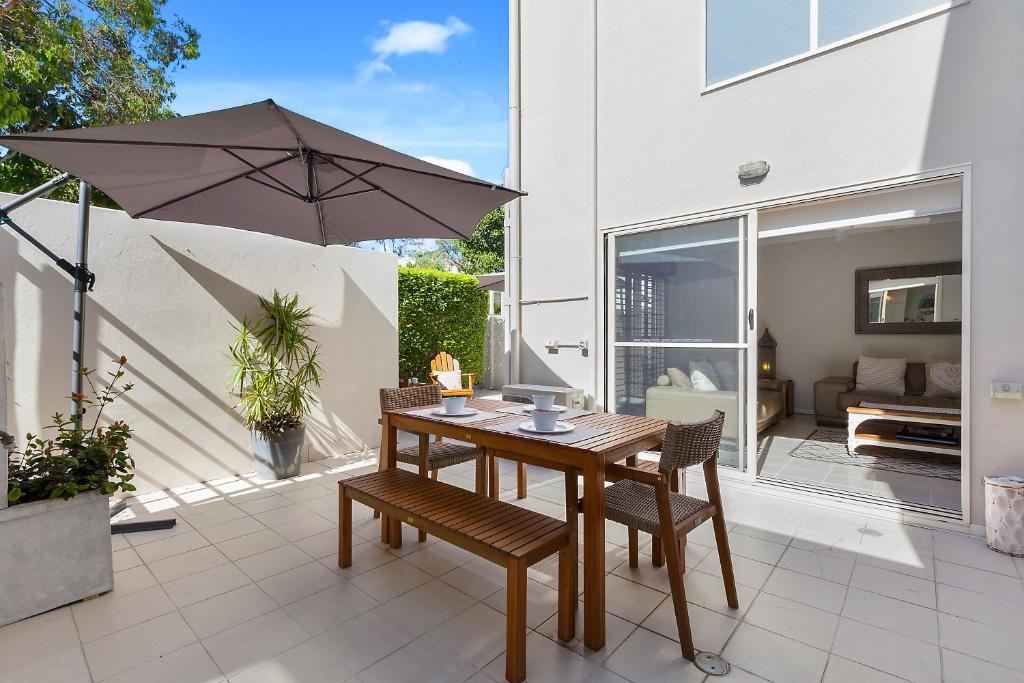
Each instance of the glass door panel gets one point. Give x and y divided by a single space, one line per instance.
678 327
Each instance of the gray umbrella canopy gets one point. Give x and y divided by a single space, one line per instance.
493 282
264 168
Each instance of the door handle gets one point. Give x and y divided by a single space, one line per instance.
750 319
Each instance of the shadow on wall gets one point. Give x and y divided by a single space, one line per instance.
327 431
537 369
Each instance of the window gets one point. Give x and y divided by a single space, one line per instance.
744 36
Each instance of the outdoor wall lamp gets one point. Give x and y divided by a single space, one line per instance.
753 172
766 352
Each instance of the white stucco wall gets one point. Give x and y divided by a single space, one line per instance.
165 295
616 131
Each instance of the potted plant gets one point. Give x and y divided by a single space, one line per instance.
55 534
276 370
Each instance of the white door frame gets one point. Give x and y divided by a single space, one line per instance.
962 172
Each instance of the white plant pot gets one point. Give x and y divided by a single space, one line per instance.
52 553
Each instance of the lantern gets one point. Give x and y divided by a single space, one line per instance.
766 346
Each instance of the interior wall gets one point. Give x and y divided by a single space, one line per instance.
806 297
166 296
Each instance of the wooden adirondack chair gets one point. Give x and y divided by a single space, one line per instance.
451 384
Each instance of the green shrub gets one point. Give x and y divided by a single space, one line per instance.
439 311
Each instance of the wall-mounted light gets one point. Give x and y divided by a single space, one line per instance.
753 172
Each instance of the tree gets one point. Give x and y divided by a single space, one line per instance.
67 64
484 251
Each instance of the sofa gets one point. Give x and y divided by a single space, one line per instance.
833 395
689 405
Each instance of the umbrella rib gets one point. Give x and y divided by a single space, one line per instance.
401 201
346 182
349 194
262 172
208 187
257 148
275 189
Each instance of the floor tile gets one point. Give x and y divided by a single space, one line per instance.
390 580
901 656
756 548
773 656
647 656
229 609
367 639
960 668
308 661
328 608
126 558
803 623
251 544
323 544
108 613
986 609
190 664
124 650
971 551
710 630
840 670
476 635
745 571
189 590
243 646
67 666
979 581
818 565
133 580
205 520
422 661
982 641
170 546
541 602
365 556
283 515
910 561
806 590
438 558
709 592
900 586
893 615
632 601
273 561
428 605
263 503
177 566
295 584
547 661
37 638
233 529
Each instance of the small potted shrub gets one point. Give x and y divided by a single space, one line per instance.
55 534
276 370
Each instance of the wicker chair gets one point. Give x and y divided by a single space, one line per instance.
641 499
439 454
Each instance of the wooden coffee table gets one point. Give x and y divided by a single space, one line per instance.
881 436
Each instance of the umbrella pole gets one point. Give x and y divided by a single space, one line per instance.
83 280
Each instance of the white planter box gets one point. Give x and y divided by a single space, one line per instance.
52 553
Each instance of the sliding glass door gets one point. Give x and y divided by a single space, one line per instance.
679 327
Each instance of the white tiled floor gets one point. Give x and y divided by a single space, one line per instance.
246 588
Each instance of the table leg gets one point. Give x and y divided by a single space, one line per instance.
387 460
593 553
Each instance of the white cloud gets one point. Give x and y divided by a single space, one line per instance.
409 37
457 165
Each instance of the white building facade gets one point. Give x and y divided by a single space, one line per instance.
629 122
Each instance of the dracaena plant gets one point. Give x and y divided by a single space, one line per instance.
83 456
276 366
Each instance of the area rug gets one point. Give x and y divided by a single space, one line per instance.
829 445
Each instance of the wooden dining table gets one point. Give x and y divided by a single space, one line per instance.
622 437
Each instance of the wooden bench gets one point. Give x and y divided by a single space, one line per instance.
505 534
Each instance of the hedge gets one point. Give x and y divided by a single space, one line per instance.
439 311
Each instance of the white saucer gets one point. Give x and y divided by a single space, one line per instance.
465 412
560 428
529 408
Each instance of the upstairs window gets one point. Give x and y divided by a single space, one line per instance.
743 37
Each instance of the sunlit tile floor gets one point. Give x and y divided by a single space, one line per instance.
246 588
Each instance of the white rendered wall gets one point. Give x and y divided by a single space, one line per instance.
165 295
805 295
942 92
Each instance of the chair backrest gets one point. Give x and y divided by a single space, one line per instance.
410 397
444 362
688 444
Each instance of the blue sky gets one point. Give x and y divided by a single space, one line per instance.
429 79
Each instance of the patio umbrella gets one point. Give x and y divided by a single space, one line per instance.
262 167
257 167
492 282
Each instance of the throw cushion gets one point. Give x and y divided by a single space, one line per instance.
942 378
678 378
703 377
882 375
449 379
726 372
664 381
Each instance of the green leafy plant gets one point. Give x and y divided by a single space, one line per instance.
276 366
80 457
439 311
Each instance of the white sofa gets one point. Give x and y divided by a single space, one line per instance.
689 405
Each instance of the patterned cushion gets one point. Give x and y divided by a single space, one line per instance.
882 375
441 455
449 379
942 378
678 378
703 376
634 504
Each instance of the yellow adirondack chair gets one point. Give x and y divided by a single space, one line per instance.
445 371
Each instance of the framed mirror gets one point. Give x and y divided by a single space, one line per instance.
921 299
